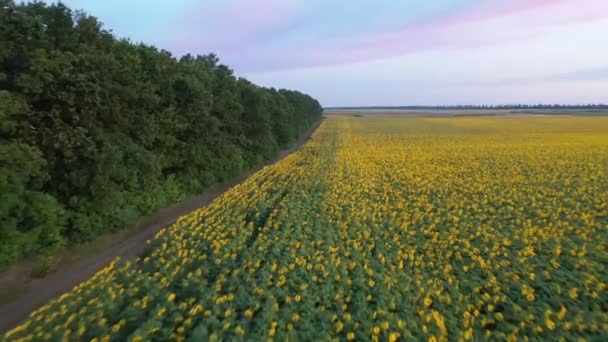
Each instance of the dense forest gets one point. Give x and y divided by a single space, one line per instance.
96 131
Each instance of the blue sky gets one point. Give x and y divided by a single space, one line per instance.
387 52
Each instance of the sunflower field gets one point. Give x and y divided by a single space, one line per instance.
398 229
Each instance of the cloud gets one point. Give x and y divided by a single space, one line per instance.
592 74
386 51
600 74
465 27
229 27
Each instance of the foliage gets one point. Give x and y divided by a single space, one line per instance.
97 131
377 229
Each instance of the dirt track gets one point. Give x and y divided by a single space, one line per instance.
40 291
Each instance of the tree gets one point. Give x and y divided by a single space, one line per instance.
97 131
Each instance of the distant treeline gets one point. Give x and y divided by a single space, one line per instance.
484 107
96 131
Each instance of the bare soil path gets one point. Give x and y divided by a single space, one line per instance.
36 292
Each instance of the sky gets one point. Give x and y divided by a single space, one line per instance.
387 52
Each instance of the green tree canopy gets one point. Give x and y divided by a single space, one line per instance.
97 131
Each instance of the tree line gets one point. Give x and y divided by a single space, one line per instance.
97 131
586 107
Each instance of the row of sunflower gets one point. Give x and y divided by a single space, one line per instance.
377 229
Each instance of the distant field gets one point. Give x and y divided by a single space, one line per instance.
379 228
464 112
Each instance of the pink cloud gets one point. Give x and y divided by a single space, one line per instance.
483 25
230 27
537 12
485 11
472 28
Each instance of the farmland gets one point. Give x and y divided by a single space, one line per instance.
378 228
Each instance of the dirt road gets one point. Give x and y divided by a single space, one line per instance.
40 291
